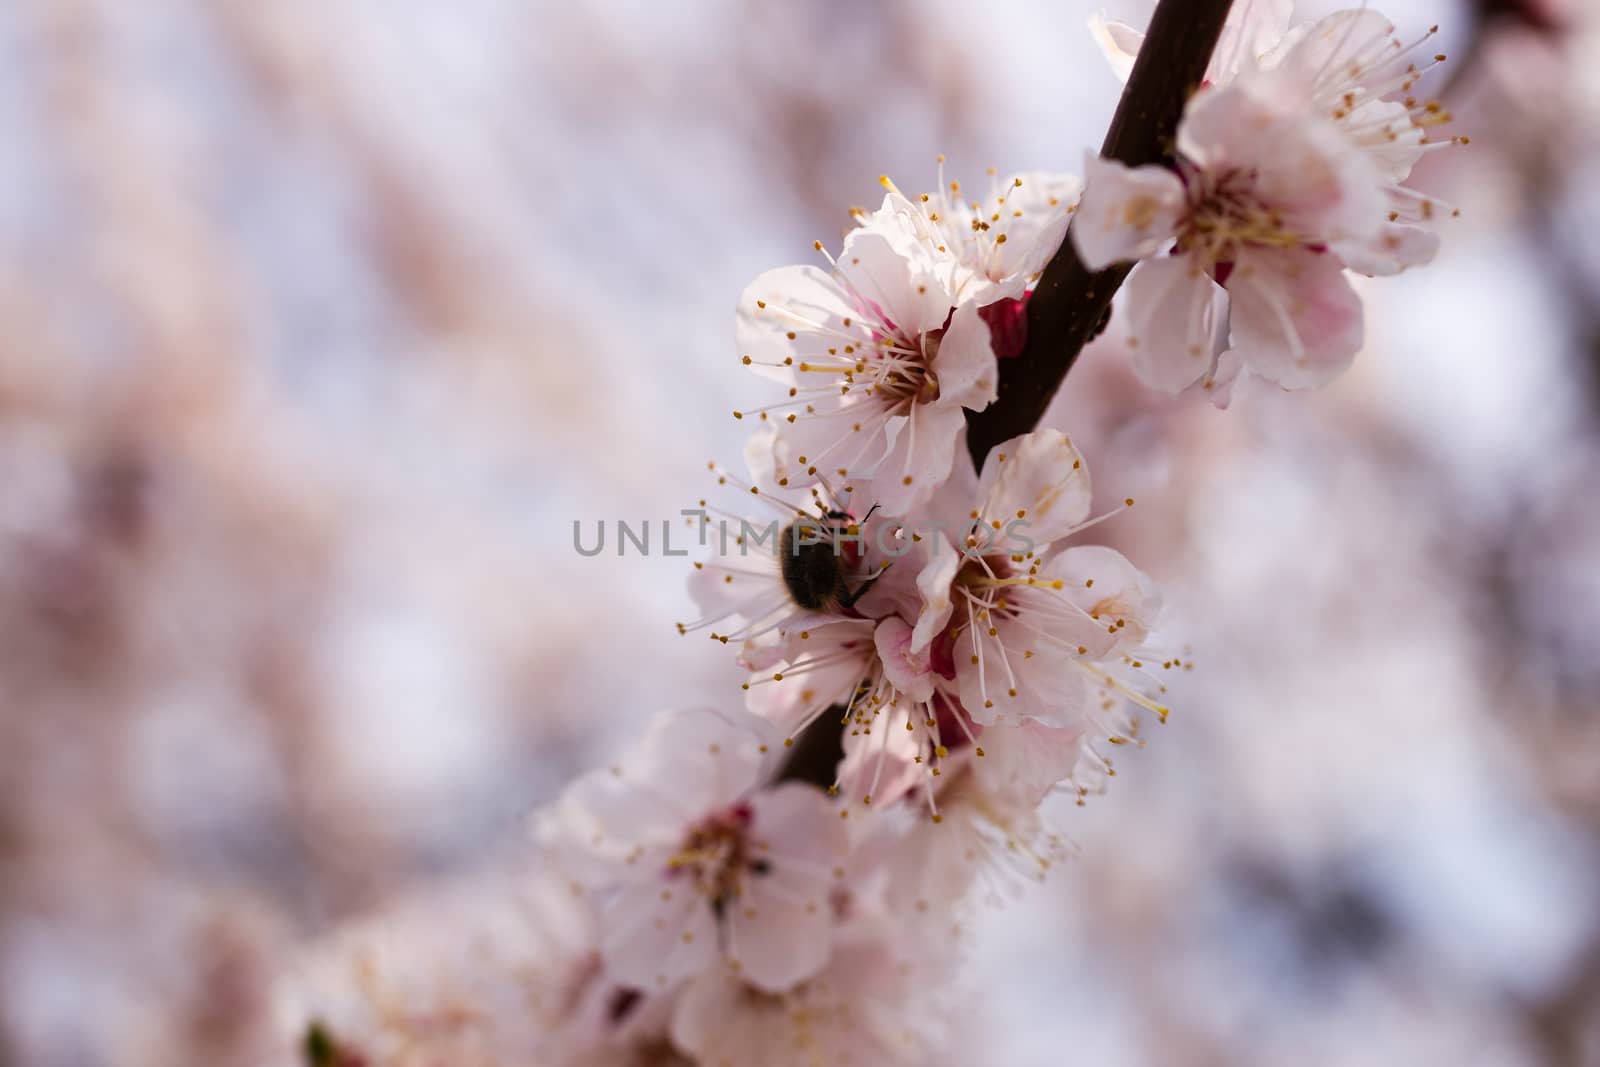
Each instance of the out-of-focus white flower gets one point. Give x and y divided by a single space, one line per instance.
872 1004
691 861
1288 172
1252 29
880 366
989 826
1347 67
514 976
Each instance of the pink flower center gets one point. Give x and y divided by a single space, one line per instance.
898 369
718 852
1225 214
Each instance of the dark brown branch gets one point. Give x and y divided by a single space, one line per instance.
817 751
1070 300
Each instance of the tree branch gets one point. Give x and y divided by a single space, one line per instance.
1070 301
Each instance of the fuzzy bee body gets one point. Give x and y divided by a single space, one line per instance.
815 562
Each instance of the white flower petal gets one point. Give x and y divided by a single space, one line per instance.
919 458
1295 319
1126 213
651 943
1022 763
1035 486
902 293
934 866
687 763
965 365
776 940
713 1015
709 758
865 1007
1060 617
879 767
785 703
1017 677
1031 213
1118 42
1392 141
806 302
1171 306
1253 29
1306 57
942 562
781 921
745 585
908 670
840 432
1397 247
1109 589
609 816
1219 386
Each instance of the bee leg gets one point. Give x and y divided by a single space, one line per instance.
848 601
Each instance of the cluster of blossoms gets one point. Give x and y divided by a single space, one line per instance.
757 897
1289 168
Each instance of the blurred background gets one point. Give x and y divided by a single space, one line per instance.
323 322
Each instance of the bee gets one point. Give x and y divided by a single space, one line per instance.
321 1050
816 565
